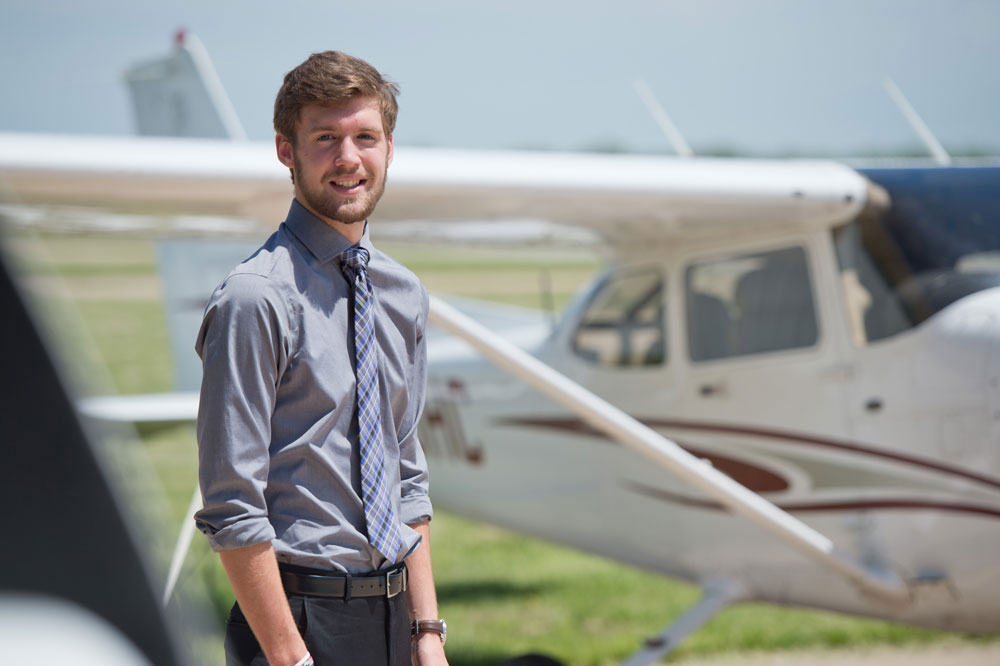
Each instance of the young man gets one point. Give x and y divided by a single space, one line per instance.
314 482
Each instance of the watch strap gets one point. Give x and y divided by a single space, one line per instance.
438 627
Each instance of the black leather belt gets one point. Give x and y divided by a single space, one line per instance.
387 584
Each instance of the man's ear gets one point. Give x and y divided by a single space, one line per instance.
284 149
388 157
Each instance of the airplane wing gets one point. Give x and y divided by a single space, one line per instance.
629 200
151 175
633 203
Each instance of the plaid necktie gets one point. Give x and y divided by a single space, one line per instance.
383 526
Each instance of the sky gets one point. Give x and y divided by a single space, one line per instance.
757 77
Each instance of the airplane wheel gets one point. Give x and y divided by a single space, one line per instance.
532 660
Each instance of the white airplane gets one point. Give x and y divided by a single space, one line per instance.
821 343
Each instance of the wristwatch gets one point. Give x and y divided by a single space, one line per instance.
438 626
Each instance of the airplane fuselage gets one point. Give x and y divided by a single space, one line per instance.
850 374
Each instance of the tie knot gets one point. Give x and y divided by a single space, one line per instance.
355 258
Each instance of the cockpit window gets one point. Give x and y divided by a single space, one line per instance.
936 242
623 323
750 304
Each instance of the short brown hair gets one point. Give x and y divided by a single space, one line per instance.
327 78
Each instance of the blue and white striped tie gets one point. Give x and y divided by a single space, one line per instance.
383 526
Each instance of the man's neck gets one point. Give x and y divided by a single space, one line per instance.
352 231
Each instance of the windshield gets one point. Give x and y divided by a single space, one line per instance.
623 324
938 241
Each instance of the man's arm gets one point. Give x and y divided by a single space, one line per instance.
242 344
253 575
421 598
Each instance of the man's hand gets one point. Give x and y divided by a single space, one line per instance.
428 650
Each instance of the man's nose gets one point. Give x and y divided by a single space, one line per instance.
348 154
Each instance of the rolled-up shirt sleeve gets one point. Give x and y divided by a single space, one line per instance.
243 345
415 503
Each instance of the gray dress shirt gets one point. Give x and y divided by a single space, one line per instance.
277 423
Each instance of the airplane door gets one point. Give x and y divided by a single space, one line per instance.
921 374
762 382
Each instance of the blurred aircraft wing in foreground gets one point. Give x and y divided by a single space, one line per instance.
73 554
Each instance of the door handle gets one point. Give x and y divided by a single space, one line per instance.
710 390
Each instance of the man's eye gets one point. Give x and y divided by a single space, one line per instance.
367 137
324 137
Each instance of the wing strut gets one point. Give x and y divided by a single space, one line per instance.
607 418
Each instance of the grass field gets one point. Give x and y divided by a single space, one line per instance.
502 594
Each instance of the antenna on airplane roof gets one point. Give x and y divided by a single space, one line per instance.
681 147
933 146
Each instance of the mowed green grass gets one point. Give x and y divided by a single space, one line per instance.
503 594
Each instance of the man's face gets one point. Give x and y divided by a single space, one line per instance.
340 156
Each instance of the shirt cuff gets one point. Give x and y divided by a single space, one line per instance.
241 534
415 509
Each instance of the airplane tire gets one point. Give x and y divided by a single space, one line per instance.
532 660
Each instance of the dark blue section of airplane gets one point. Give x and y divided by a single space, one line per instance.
942 214
940 238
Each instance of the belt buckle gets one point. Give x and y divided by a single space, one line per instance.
388 585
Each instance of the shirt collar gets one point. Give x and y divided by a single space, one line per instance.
322 240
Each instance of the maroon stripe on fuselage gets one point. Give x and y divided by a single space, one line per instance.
816 441
578 426
800 507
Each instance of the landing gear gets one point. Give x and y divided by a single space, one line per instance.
716 596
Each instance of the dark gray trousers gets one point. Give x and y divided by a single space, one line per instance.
368 631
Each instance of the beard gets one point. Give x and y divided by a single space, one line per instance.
324 203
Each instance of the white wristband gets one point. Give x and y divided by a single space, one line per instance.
305 661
